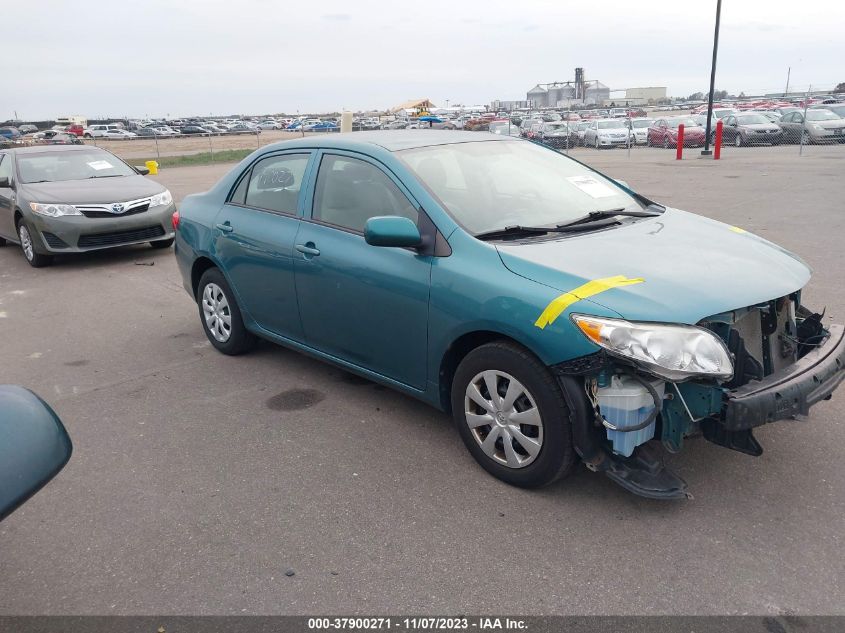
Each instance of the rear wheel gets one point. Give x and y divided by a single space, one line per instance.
512 416
162 243
221 316
35 259
666 144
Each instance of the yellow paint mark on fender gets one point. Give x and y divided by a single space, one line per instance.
561 303
736 229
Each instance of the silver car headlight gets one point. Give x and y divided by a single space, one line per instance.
161 199
673 352
54 210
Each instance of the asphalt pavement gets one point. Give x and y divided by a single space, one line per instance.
199 480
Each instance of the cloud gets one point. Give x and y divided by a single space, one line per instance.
336 17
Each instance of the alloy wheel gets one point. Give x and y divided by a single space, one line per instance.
26 242
503 418
215 309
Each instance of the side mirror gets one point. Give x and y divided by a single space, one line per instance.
5 183
34 446
391 230
142 170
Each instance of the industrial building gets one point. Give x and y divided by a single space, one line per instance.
562 94
645 96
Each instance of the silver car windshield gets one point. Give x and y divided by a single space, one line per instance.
77 165
491 185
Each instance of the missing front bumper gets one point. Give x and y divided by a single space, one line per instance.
791 391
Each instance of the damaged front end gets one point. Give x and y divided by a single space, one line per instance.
662 383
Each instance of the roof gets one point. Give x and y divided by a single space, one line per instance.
391 140
34 149
413 104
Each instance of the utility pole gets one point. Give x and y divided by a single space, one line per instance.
788 72
707 151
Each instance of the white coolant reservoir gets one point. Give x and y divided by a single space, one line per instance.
625 403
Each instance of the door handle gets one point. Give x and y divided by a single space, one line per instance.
225 227
308 250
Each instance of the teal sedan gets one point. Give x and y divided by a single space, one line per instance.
558 315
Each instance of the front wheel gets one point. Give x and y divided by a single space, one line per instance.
34 258
512 416
597 143
738 140
221 316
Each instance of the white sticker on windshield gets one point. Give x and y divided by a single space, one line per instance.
100 164
592 187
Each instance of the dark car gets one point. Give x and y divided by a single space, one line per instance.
75 198
147 132
193 130
748 129
240 128
554 134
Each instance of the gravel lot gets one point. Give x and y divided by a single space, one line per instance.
198 479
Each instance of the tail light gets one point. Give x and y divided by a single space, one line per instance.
174 219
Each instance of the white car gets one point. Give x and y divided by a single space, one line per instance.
119 134
165 130
100 130
270 125
640 127
608 133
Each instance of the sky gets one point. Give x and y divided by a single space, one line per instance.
213 57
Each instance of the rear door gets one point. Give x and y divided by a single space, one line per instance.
367 305
254 234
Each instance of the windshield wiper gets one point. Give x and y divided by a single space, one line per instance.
519 231
109 176
594 216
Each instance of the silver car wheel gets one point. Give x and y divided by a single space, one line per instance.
26 242
218 316
503 418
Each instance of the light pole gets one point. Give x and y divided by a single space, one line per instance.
707 151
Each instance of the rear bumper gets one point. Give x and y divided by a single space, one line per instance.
792 391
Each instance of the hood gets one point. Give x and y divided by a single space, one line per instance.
91 191
831 124
692 267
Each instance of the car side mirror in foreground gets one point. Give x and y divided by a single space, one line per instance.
391 230
142 170
34 446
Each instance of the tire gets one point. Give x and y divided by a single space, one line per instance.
2 242
237 339
163 243
508 364
87 136
33 258
666 144
805 138
648 141
738 141
597 143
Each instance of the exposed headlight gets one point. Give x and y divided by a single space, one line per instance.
161 199
673 352
816 126
54 210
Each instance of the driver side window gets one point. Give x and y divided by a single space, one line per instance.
275 182
5 166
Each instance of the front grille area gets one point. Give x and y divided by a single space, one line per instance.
120 237
95 213
53 240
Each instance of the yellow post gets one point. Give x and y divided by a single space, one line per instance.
152 166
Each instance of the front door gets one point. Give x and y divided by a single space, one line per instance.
7 199
367 305
254 237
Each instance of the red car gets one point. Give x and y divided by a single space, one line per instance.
664 133
76 129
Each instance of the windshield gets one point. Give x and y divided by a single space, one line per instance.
641 123
611 125
492 185
76 165
751 119
674 123
556 126
820 115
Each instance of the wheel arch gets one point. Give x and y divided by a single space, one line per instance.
458 350
198 268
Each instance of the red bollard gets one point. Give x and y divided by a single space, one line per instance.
680 145
717 148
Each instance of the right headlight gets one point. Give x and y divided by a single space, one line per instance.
673 352
53 210
161 199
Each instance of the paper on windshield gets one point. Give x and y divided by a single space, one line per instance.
592 187
100 164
